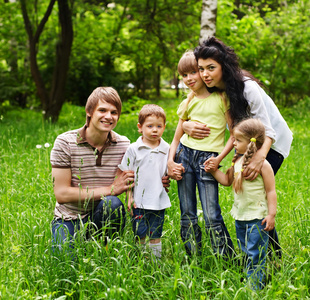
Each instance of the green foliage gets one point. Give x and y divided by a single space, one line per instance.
135 46
273 48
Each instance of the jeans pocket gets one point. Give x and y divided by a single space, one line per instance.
178 154
205 175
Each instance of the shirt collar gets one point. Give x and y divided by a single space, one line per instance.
81 136
159 148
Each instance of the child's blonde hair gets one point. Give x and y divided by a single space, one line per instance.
254 131
187 64
149 110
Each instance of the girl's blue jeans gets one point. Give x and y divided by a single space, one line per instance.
195 175
108 217
253 241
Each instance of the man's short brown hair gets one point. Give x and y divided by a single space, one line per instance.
107 94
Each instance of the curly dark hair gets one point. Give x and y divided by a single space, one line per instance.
232 75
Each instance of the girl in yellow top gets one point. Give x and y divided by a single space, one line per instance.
187 156
255 204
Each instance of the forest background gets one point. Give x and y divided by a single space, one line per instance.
53 52
134 46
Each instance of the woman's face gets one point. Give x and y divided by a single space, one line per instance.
211 73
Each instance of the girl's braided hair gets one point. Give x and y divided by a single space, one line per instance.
254 131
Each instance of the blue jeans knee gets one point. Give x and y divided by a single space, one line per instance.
109 216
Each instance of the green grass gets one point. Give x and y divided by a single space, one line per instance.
28 269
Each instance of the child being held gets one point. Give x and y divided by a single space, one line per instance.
148 158
255 203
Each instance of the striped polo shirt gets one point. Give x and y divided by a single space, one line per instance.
90 167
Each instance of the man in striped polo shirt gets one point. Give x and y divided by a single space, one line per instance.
85 171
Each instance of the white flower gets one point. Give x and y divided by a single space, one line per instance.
46 145
38 146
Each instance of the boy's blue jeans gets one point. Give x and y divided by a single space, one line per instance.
195 175
253 241
148 222
109 213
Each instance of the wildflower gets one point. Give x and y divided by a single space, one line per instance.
46 145
38 146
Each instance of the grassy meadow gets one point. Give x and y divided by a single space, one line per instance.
29 270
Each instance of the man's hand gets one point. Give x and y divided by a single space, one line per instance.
196 130
123 182
166 182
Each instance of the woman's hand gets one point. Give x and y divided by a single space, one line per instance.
254 167
196 130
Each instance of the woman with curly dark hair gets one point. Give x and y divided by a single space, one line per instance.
220 70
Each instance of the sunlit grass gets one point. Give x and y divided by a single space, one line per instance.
122 270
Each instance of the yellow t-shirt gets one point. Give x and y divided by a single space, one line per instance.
252 202
210 111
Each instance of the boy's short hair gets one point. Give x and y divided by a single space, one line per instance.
149 110
107 94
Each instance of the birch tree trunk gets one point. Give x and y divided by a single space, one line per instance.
208 19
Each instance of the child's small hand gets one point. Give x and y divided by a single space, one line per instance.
270 222
175 170
131 204
211 164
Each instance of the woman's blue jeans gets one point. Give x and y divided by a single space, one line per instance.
107 218
195 175
253 241
275 159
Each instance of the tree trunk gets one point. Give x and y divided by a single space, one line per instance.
208 19
52 101
33 38
63 52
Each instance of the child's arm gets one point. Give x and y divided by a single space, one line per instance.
130 201
175 170
270 188
212 163
222 178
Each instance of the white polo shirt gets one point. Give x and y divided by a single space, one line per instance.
149 165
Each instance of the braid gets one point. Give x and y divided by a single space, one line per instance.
254 131
249 154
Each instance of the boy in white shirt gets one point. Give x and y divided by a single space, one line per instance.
147 157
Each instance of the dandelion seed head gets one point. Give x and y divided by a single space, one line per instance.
46 145
38 146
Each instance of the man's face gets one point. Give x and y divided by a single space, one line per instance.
104 117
